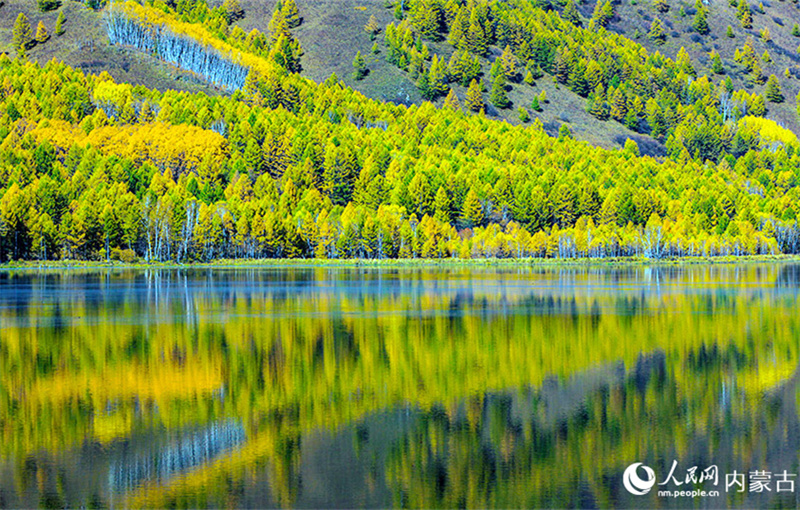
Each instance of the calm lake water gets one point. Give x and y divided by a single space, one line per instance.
319 387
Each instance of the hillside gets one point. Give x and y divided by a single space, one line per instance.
333 30
779 17
331 33
263 161
84 45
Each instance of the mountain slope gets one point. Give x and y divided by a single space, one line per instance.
778 17
285 167
331 33
333 30
85 46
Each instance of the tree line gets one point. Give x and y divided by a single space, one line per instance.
283 167
91 169
650 93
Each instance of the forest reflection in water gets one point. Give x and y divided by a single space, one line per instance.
426 387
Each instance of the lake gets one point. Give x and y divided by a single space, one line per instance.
428 387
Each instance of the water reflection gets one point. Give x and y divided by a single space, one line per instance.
160 462
315 387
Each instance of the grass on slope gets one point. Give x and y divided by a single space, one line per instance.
333 31
779 16
85 46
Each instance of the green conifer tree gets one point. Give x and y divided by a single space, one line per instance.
571 13
291 13
441 206
21 34
700 23
360 69
498 96
59 28
657 34
773 92
716 64
451 101
474 98
472 210
744 14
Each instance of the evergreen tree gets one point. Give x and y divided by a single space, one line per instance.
48 5
59 28
451 101
459 27
529 78
496 69
233 10
524 116
535 106
426 17
797 102
474 98
756 76
423 86
657 34
21 34
796 30
661 6
684 63
472 210
291 14
716 63
561 67
498 96
41 33
571 13
476 39
773 90
441 206
359 67
632 121
701 21
597 103
603 13
729 32
286 52
758 107
278 26
372 27
508 64
619 106
437 78
744 14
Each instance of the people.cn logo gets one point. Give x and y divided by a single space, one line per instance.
636 485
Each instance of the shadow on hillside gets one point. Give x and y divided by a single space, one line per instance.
647 146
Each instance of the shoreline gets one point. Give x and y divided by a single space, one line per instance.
402 263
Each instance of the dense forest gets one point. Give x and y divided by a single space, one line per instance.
279 166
